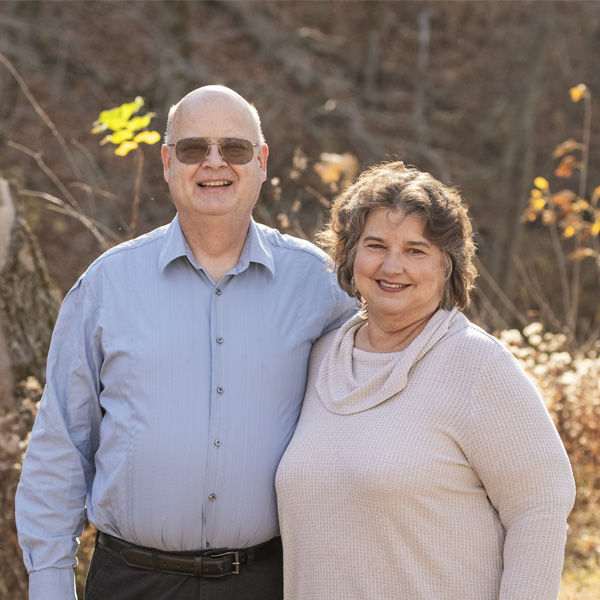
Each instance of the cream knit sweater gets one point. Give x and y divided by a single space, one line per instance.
434 473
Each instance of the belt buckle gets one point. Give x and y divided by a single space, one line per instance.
236 558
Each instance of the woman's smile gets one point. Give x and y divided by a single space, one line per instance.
391 287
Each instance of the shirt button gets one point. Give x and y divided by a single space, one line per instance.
219 390
217 443
212 497
219 340
218 291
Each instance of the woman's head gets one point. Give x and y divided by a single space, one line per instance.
401 189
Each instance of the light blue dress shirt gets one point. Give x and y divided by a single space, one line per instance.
170 398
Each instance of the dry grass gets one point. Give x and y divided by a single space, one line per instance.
581 583
581 573
570 385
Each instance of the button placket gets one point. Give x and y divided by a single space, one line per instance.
212 478
219 339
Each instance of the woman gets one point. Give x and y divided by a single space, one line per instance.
425 465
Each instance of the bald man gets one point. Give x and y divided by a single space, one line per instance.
174 382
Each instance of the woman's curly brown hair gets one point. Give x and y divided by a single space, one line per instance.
396 187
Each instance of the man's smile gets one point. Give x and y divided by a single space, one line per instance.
214 183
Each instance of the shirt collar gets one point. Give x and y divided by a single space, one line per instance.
255 249
173 246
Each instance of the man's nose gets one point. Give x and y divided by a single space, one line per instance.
214 157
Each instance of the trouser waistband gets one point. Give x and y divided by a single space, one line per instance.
207 563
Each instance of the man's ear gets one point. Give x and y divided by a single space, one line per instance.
263 155
166 160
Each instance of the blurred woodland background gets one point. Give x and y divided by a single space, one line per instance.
479 93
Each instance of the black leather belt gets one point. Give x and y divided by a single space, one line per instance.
209 563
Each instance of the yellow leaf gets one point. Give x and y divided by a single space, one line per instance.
569 231
148 137
334 167
566 166
596 227
581 253
537 203
137 123
117 118
580 206
578 92
536 194
564 198
548 217
541 183
125 148
565 148
120 136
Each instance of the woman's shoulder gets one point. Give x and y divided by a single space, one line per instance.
474 340
334 338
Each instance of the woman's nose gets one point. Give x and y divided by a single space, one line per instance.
393 264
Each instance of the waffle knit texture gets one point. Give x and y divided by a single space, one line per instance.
434 473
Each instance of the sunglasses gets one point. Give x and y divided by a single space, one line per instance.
192 151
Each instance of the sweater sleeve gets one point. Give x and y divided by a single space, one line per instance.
522 463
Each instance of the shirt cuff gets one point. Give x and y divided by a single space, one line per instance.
52 584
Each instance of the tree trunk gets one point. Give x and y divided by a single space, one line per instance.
27 314
28 307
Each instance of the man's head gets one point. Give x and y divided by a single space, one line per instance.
217 89
211 179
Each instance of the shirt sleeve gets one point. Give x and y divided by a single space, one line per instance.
58 469
524 468
343 306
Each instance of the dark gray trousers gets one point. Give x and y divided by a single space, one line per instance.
109 578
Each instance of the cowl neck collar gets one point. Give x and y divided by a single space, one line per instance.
341 393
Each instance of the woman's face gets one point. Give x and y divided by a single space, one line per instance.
396 270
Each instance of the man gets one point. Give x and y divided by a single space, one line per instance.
175 378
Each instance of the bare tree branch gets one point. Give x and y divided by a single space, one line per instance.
40 111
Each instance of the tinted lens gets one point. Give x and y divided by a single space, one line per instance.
191 151
236 151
